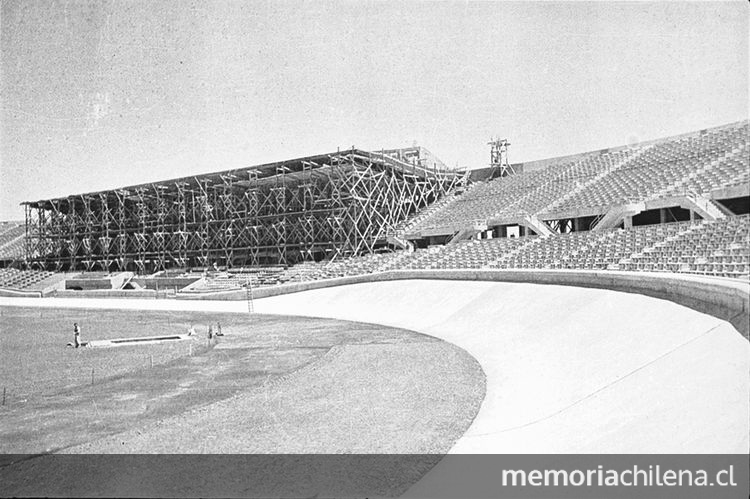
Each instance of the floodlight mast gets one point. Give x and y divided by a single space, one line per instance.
499 158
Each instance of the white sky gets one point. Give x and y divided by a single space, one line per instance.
97 95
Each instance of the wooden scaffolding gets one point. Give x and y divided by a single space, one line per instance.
320 207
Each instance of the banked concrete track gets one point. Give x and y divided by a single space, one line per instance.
569 370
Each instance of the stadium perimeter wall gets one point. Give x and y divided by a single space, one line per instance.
725 299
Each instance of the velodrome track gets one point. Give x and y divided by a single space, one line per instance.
569 370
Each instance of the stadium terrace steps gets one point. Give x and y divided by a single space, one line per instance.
712 248
12 237
668 164
407 225
672 247
519 245
615 215
437 216
700 163
11 278
628 156
237 279
52 281
703 206
716 172
718 248
679 229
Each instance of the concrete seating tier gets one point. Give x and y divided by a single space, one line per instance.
11 278
718 248
699 163
240 277
357 265
473 254
422 215
589 250
12 236
523 193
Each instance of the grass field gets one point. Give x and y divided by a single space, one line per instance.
282 379
271 385
34 360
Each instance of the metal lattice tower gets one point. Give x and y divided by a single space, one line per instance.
499 157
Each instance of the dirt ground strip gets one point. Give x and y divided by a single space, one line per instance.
272 385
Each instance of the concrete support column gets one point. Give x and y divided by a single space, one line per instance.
576 224
628 222
662 215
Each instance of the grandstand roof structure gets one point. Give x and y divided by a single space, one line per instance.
416 161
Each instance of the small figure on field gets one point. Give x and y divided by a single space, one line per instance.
76 336
218 329
210 332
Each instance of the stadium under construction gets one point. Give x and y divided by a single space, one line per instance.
676 204
309 209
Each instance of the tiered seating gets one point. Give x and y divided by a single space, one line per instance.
701 163
730 169
12 236
464 208
21 279
698 162
422 215
718 248
562 179
614 246
523 193
237 278
494 198
472 254
260 276
548 252
592 250
305 271
358 265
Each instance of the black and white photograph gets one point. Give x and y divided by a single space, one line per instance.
379 248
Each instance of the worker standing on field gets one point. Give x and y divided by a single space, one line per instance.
76 336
